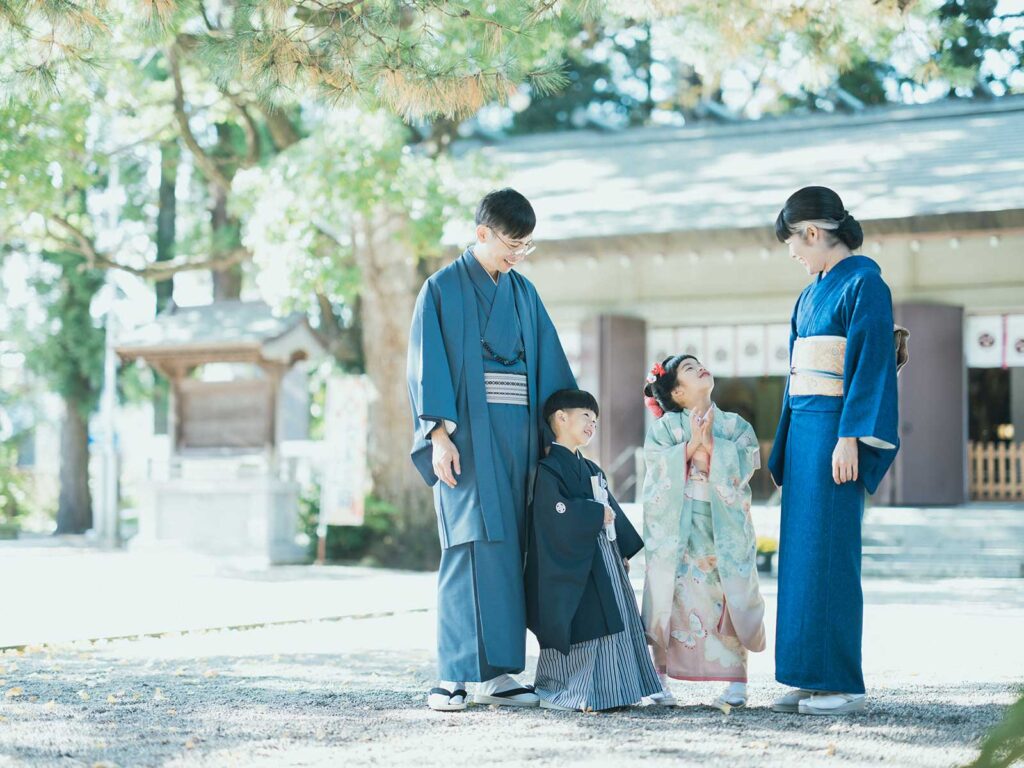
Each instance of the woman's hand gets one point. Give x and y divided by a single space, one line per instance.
445 458
844 460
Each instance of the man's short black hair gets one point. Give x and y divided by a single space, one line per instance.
508 212
565 399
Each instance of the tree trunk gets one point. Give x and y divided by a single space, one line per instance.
227 283
227 231
166 225
390 282
74 510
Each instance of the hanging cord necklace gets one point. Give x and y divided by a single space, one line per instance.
503 360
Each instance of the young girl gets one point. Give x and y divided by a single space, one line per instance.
702 609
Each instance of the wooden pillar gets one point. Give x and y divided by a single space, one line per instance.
612 369
931 467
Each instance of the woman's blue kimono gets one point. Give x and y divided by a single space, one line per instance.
821 606
482 521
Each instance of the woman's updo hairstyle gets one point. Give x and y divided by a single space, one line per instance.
824 209
660 390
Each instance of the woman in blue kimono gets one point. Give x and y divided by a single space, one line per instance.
836 438
483 358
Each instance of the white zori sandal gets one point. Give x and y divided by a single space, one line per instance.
734 696
663 698
443 700
833 704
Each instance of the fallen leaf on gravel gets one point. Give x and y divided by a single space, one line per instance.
172 712
14 692
50 705
158 695
211 673
33 699
190 744
723 706
111 699
3 719
83 695
831 750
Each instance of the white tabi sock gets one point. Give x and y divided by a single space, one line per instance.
496 685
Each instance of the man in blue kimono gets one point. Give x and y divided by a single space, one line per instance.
483 358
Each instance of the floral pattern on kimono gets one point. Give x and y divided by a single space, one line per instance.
701 591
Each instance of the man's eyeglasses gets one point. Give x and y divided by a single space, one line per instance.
521 251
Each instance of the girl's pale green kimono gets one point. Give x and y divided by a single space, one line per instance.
702 608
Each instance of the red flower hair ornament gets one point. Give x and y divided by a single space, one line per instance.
651 404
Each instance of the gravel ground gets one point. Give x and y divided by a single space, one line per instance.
343 692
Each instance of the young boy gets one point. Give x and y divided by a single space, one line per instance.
579 602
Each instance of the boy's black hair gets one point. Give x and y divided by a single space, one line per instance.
565 399
508 212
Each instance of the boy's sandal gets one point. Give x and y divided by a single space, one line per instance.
663 699
514 697
442 700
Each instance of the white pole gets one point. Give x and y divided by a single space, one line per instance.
110 514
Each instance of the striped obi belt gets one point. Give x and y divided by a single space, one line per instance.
506 388
816 367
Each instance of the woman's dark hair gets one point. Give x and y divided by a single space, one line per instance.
819 204
565 399
661 388
508 212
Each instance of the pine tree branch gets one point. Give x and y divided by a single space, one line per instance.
282 131
83 242
207 165
252 135
163 270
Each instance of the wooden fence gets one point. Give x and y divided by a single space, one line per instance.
996 471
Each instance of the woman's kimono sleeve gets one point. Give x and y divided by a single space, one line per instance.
564 538
777 459
431 390
870 411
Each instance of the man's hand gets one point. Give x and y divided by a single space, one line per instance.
609 515
446 457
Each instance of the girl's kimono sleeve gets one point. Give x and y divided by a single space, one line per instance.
564 539
666 524
738 449
870 411
777 459
734 458
431 390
